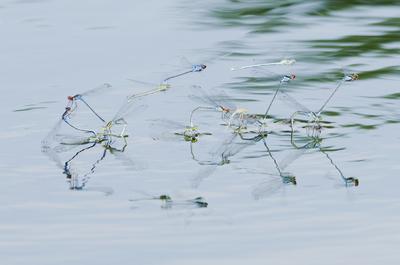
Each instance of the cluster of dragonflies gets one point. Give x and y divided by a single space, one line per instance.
112 133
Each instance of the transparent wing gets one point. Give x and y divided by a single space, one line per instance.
143 83
185 63
128 108
284 61
265 72
212 99
53 156
97 90
290 158
167 130
167 124
216 57
50 137
284 96
58 135
69 139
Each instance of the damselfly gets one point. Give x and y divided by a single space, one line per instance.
233 116
315 117
285 61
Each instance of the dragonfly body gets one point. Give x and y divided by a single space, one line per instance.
194 69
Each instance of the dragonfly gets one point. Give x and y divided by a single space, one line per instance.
233 116
73 103
195 67
168 202
164 85
285 61
190 133
109 130
314 117
284 79
153 88
72 100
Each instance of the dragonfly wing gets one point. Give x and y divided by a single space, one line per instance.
143 83
185 63
212 99
167 130
128 109
50 137
218 57
52 155
167 124
290 158
292 102
97 90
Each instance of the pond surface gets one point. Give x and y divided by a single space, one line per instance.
281 199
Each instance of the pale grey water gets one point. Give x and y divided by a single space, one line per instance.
52 49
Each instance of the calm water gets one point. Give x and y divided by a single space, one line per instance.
52 49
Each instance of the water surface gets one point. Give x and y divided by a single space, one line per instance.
52 49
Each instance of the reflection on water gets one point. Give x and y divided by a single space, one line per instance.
168 202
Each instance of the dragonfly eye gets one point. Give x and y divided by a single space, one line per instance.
292 76
70 98
203 66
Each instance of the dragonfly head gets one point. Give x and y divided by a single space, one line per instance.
67 110
354 76
288 178
352 181
292 76
199 67
165 197
70 98
223 109
351 77
288 61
